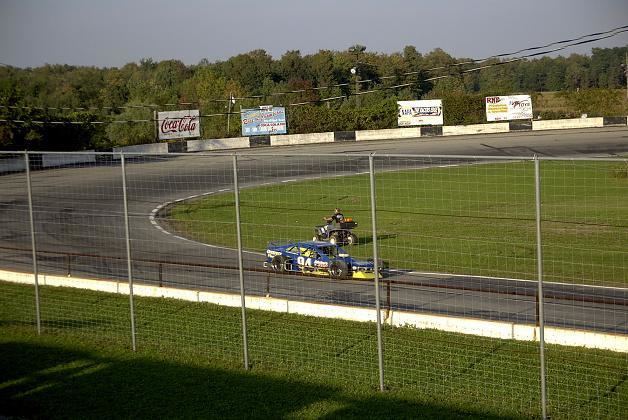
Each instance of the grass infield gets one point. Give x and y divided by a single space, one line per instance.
468 219
189 364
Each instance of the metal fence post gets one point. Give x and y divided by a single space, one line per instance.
380 347
33 243
236 193
539 262
127 235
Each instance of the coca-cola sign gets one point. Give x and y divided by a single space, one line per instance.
178 124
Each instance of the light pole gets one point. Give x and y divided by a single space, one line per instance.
354 72
357 49
231 102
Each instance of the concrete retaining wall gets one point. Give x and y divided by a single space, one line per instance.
569 123
366 135
463 130
218 144
393 133
152 148
294 139
12 164
478 327
52 160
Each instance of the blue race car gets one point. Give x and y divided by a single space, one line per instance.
317 257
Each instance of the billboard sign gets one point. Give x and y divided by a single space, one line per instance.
178 124
266 119
504 108
425 112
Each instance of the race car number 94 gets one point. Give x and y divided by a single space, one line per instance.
305 261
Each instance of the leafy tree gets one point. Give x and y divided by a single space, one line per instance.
129 133
249 69
577 73
116 93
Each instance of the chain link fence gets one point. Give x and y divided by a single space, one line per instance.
496 281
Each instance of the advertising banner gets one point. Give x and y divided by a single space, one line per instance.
426 112
178 124
504 108
266 119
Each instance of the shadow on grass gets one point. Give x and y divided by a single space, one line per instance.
61 324
366 239
49 381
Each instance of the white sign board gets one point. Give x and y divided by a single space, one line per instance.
266 119
425 112
504 108
178 124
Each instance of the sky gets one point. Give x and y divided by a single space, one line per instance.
112 33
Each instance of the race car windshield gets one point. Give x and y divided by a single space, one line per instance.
332 251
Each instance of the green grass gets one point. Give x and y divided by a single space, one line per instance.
477 219
189 364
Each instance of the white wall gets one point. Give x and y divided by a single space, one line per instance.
568 123
495 329
13 164
460 130
50 160
218 144
293 139
155 148
391 133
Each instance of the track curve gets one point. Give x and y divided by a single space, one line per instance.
79 225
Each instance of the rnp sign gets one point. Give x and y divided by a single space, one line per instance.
179 124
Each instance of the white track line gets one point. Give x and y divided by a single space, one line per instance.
425 273
153 216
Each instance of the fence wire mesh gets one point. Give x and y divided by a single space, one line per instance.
585 248
456 239
284 201
15 239
457 233
186 252
79 231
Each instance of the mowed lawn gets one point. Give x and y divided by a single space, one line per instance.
189 364
468 219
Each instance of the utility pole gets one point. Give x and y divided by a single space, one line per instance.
156 125
626 73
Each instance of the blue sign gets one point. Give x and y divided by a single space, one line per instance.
264 120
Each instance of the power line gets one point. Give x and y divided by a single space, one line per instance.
571 42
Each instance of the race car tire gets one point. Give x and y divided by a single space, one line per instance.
352 239
315 238
338 270
278 263
333 238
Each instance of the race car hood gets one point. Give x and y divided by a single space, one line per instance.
361 263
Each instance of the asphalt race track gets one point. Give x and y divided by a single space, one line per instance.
80 228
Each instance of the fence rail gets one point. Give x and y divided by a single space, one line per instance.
533 241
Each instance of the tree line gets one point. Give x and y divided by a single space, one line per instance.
256 78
